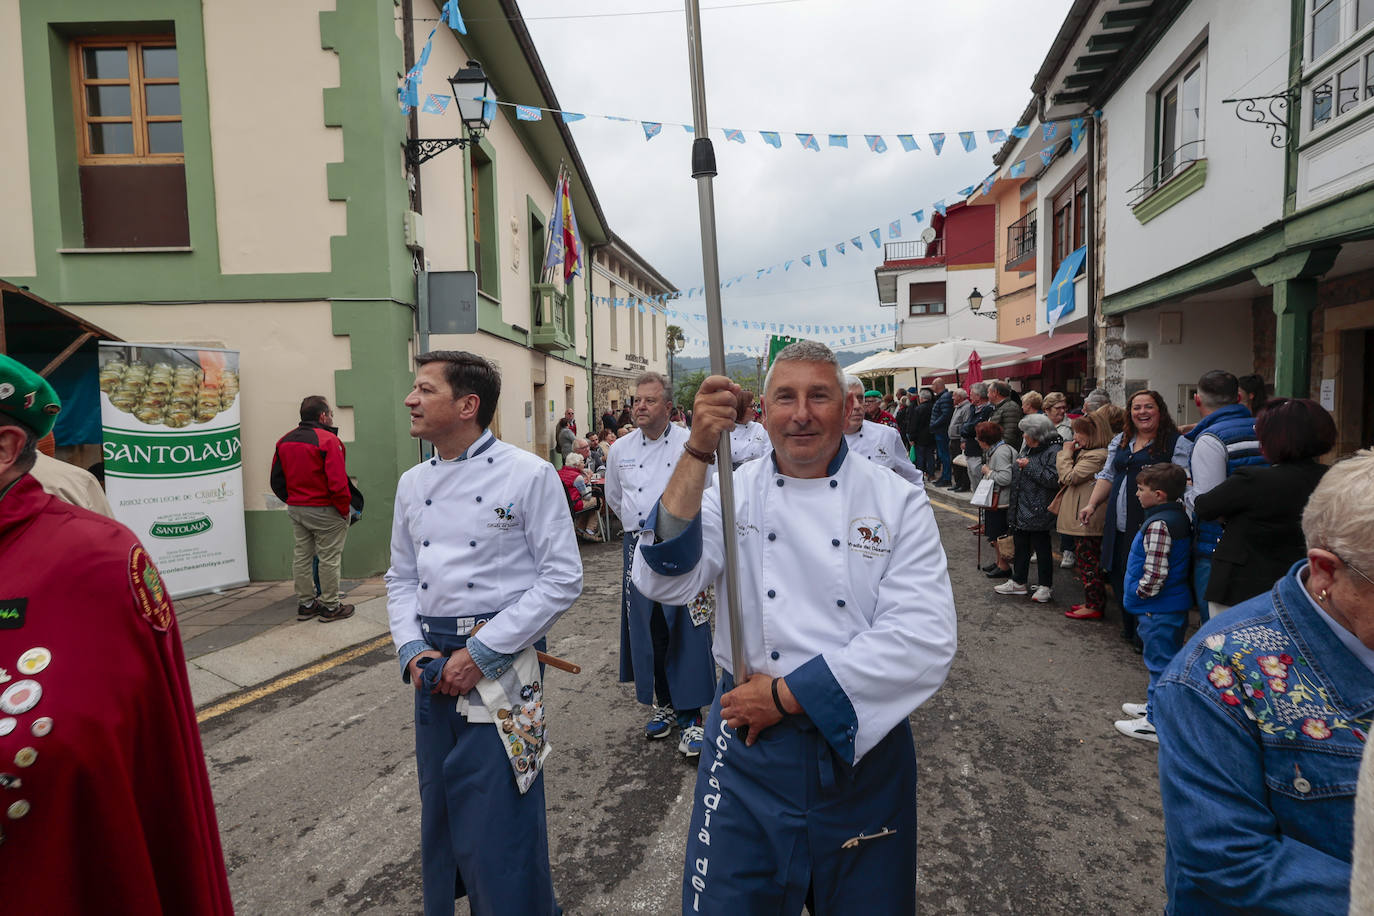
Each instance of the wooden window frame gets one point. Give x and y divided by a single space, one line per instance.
133 46
1068 228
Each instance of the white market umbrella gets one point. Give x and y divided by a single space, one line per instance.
866 364
951 353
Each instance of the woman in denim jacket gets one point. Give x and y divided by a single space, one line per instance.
1262 719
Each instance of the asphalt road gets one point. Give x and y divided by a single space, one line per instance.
1029 800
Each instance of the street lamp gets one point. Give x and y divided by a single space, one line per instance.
472 92
975 303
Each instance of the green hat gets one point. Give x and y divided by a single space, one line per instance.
873 393
27 397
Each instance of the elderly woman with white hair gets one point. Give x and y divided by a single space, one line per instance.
1262 718
1034 483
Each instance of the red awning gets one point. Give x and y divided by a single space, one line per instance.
1037 348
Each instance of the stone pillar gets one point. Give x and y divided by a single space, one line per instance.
1293 277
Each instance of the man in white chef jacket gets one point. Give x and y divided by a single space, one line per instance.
665 649
481 535
849 625
880 444
748 440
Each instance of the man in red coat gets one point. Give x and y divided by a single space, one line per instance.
308 475
105 804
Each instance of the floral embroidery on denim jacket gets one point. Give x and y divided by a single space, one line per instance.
1258 669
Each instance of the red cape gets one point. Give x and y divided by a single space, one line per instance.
120 818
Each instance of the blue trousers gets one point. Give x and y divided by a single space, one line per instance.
684 660
942 455
770 822
478 835
1162 634
1202 574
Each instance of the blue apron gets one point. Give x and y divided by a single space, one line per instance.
691 667
773 822
478 835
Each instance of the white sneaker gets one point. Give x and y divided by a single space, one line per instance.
1066 561
1042 594
690 743
1135 710
1137 728
1010 587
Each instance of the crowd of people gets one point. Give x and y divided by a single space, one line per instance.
1261 718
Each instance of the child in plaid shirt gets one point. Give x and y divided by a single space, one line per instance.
1157 586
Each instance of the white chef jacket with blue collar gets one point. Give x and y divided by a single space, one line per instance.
487 531
748 441
882 445
637 471
844 585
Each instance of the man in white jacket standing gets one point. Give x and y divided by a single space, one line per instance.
849 625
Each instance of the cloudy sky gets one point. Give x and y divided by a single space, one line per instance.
815 66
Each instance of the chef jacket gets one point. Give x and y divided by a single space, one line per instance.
637 471
844 586
747 442
487 531
883 446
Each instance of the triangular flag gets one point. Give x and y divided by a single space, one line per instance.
858 245
1049 130
808 141
1076 132
735 135
876 236
1021 132
894 229
841 140
452 17
966 138
571 116
987 184
939 207
919 215
997 136
772 138
822 257
528 113
937 141
806 259
651 129
689 128
786 265
908 142
1018 168
1046 155
876 143
967 191
839 246
436 103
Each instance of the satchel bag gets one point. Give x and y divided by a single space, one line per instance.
1006 547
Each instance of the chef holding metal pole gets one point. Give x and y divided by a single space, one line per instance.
840 623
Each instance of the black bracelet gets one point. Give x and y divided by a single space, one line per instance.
777 701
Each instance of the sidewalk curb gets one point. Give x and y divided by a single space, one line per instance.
284 648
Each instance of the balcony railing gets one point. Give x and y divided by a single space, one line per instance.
553 321
1169 166
1021 240
913 251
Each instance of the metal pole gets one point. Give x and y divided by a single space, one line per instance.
703 170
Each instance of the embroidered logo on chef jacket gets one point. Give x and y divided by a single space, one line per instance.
505 517
12 612
868 537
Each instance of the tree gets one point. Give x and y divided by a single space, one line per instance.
685 393
676 341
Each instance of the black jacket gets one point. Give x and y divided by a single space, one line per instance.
972 447
918 432
1033 487
1262 507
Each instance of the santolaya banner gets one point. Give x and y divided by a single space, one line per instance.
173 462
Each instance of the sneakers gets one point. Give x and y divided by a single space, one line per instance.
689 745
1042 594
1135 710
1010 587
306 611
1067 560
1137 728
342 612
661 723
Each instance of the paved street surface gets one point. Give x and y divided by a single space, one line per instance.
1029 800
